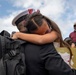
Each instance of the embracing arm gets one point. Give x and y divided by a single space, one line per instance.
35 38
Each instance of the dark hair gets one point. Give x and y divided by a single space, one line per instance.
34 21
74 25
31 26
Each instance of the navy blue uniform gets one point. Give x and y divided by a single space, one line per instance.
44 60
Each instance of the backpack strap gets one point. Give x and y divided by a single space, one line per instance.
15 59
13 48
2 46
2 68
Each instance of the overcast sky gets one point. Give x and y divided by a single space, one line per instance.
63 12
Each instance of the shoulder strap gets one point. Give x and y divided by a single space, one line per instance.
2 68
2 46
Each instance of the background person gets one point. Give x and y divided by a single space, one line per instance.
72 35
